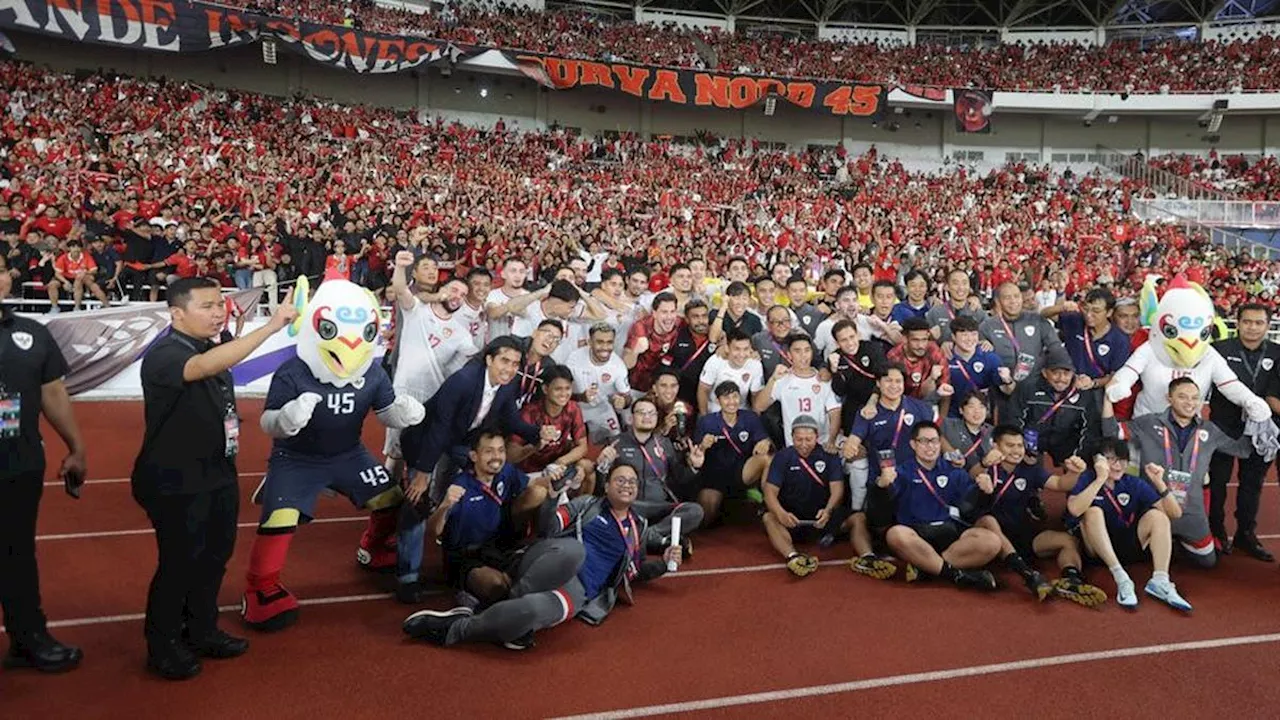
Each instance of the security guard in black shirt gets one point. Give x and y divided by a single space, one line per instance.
185 475
1254 360
31 371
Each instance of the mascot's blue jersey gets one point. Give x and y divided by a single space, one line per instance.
338 419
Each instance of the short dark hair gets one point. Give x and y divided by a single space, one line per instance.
970 397
737 288
665 297
843 325
179 293
1103 294
1002 431
797 278
564 290
1178 382
479 271
915 324
884 371
924 425
487 434
665 370
963 323
833 272
735 334
884 283
796 337
728 387
551 322
498 344
556 372
695 304
846 290
1254 307
1115 446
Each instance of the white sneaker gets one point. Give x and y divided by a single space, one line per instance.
1126 595
1166 592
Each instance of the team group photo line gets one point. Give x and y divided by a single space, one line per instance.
562 440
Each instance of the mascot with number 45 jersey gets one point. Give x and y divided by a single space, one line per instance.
315 411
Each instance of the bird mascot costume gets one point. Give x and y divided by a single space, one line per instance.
314 413
1181 325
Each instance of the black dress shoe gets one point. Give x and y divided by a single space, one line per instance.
411 593
219 646
1222 543
173 661
1248 542
41 652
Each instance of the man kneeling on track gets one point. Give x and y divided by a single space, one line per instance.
481 522
803 494
930 534
1013 485
1121 518
612 553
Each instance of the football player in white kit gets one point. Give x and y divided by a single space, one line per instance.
471 313
600 384
737 367
514 273
433 345
801 391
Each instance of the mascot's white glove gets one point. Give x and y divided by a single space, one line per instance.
404 412
1266 438
1117 392
290 419
1258 410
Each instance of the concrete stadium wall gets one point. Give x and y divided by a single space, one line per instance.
925 135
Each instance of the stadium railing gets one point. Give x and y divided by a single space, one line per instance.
1231 213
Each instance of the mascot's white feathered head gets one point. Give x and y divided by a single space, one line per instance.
337 330
1181 322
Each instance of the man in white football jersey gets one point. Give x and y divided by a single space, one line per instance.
600 384
471 313
433 344
514 272
736 366
801 391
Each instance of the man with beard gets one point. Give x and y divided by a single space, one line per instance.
940 316
928 376
651 340
845 308
661 469
600 384
497 303
434 345
693 348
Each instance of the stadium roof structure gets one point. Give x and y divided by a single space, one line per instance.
972 13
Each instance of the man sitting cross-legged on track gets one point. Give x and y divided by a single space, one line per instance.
930 533
803 493
1014 483
612 556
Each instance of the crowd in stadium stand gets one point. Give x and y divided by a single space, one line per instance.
156 180
1240 177
1120 66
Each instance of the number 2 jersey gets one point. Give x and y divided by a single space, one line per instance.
338 419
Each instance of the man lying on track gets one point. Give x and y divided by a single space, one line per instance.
611 557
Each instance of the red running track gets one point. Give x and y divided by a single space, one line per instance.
731 635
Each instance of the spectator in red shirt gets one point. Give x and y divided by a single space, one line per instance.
76 269
556 408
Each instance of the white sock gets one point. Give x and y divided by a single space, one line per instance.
1160 576
1119 574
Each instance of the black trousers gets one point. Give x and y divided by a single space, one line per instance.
1253 471
19 576
195 535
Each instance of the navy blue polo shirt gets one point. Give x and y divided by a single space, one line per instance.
891 429
607 542
734 442
1122 505
924 495
1012 492
1093 358
804 484
481 516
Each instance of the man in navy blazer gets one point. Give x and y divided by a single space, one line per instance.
479 396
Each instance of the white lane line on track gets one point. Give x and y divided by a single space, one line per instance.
106 619
925 677
148 531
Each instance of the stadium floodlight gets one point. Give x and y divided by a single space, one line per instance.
770 105
269 51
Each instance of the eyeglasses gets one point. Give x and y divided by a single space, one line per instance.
626 482
645 413
928 440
